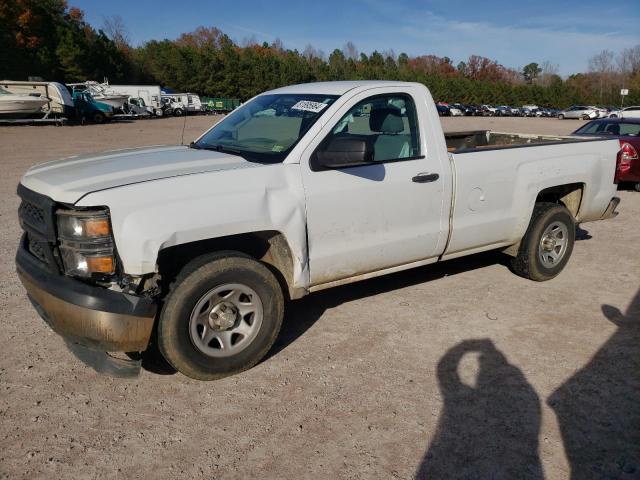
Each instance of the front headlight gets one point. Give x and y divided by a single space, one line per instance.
86 243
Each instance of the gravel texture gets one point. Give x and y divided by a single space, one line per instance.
459 370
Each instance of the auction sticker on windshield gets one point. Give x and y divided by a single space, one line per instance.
309 106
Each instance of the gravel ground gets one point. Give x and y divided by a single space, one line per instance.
460 370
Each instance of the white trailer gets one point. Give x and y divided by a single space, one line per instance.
149 93
184 102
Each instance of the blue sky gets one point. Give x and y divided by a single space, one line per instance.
564 32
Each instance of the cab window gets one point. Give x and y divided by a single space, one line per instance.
388 122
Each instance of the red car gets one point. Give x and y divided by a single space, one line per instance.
627 131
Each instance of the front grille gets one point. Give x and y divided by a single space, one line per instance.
32 215
37 249
37 218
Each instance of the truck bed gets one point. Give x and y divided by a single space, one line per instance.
474 140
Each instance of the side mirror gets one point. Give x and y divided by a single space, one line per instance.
344 152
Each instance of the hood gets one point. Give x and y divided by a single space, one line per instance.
70 179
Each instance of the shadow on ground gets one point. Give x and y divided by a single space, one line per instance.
598 408
488 430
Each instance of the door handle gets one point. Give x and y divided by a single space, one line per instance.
425 177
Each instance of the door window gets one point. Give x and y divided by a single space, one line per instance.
388 122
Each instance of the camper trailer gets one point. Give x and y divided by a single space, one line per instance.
184 102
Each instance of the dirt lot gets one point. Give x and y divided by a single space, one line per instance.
460 370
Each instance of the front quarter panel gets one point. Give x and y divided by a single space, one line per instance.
150 216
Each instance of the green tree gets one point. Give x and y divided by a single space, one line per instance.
530 72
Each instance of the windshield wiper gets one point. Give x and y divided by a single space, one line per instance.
218 148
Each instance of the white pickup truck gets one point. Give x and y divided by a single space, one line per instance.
196 248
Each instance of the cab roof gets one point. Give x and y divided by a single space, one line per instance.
338 88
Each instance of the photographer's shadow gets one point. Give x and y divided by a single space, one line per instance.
598 408
488 430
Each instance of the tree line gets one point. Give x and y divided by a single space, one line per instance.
49 39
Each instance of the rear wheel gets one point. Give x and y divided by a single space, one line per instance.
637 187
221 316
178 112
547 244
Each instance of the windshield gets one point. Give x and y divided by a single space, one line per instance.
266 128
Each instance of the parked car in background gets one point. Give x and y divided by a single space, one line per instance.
443 110
472 110
579 112
455 111
503 111
627 131
629 112
614 112
488 110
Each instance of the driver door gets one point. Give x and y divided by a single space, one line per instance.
384 214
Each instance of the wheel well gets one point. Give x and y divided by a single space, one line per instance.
270 247
569 195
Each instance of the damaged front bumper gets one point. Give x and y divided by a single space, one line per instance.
93 320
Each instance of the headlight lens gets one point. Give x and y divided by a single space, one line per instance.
83 227
86 243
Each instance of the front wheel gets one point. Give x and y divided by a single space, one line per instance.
547 244
178 112
561 117
221 316
637 187
98 117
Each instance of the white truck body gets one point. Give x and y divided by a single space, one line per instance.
340 226
149 93
205 241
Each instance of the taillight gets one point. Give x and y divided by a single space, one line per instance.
626 155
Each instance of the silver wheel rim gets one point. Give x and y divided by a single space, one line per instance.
553 244
226 320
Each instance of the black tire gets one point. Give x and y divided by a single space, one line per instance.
192 283
528 262
178 112
637 186
98 117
